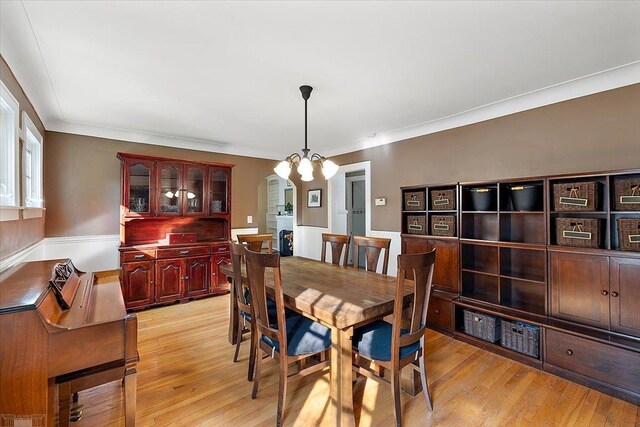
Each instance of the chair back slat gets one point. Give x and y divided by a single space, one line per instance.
255 242
239 287
420 266
373 248
338 244
257 265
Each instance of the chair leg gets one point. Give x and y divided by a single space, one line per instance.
256 374
238 341
425 386
395 394
282 390
252 354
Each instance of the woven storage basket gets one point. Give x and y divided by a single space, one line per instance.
443 200
576 196
521 337
627 194
580 232
443 225
414 201
483 326
629 234
416 224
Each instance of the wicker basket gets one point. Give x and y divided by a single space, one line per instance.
580 232
443 225
483 326
576 196
416 224
627 194
443 200
521 337
414 201
629 234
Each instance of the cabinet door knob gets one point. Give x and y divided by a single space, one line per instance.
603 292
437 311
570 352
186 277
614 294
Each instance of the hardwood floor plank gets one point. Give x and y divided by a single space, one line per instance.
186 377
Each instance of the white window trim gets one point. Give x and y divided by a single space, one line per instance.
28 125
15 106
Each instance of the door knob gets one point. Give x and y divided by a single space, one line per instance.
570 352
614 294
603 292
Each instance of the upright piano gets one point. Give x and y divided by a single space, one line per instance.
61 331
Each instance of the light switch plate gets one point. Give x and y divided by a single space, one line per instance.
381 201
249 219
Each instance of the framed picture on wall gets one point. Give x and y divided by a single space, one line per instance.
314 198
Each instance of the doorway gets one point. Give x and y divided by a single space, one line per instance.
355 204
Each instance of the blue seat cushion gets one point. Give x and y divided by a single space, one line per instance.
374 341
304 336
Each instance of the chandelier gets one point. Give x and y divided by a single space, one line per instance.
305 163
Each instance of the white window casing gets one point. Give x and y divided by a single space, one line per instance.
9 148
32 164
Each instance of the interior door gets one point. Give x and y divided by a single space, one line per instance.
625 295
356 213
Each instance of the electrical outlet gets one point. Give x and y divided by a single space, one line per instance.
381 201
249 219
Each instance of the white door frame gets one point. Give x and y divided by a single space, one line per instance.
336 188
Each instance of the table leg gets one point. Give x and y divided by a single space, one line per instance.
130 385
341 375
233 313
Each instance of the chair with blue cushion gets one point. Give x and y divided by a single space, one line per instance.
290 338
391 346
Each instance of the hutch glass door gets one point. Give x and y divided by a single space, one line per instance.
139 187
169 188
194 185
219 188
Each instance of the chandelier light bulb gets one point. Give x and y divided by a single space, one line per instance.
307 177
329 169
283 169
305 168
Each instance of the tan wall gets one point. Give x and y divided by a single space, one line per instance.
261 219
19 234
593 133
82 181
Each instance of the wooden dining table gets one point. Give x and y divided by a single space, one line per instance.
341 298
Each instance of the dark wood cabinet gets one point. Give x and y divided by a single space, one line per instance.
162 196
197 276
624 294
138 283
170 275
219 282
440 312
579 286
445 274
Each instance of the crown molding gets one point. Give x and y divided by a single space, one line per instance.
614 78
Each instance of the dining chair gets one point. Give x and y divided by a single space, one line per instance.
291 338
245 317
389 344
255 242
338 244
373 247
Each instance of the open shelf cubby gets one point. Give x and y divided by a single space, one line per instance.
480 286
526 264
480 258
523 295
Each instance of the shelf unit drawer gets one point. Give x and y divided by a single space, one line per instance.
183 251
224 247
603 362
440 312
138 255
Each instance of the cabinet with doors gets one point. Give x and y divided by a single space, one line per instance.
174 229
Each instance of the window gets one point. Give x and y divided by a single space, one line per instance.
32 163
9 117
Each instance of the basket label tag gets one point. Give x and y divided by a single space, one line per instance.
585 235
413 203
629 199
416 227
441 202
634 238
443 227
573 201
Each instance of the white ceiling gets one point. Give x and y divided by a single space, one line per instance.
224 76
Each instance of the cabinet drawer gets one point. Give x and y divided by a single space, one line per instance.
138 255
597 360
223 247
183 251
440 312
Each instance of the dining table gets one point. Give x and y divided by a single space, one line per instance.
341 298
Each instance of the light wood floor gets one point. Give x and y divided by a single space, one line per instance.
186 377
